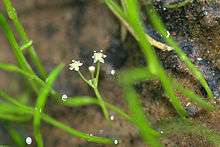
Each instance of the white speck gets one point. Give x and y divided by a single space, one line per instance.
188 104
112 117
168 34
206 13
28 140
64 97
199 59
161 132
112 72
91 68
90 134
116 141
214 102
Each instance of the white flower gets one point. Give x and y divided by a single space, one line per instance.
91 68
75 65
99 56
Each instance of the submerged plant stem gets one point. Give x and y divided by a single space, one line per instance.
20 29
56 123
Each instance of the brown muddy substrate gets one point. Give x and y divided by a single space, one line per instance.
71 29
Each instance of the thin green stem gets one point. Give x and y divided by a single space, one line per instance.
92 75
20 29
84 79
193 97
86 100
94 84
14 45
97 73
30 76
13 68
41 101
102 103
73 132
16 49
58 124
18 139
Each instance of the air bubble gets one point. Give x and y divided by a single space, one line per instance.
112 72
28 140
116 141
112 117
64 97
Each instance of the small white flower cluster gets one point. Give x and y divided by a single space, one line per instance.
97 56
75 65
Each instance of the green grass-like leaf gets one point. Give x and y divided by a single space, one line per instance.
25 40
159 26
41 101
14 45
23 64
15 69
143 74
55 123
15 135
86 100
193 97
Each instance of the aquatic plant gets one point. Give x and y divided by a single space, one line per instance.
129 14
93 82
12 109
18 111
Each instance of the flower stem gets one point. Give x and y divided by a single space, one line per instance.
84 79
97 74
102 103
94 85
